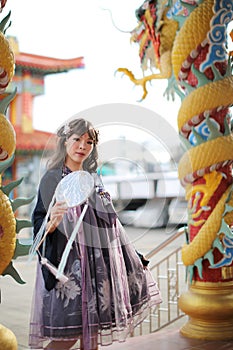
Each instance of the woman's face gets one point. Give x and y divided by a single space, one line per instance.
78 149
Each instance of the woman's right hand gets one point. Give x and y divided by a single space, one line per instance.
56 215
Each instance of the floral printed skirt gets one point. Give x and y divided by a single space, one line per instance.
108 293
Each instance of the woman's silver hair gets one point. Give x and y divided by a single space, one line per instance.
79 127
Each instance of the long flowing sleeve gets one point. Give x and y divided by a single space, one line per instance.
55 241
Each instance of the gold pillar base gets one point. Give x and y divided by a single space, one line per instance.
8 339
210 310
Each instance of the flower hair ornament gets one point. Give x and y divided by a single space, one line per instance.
66 129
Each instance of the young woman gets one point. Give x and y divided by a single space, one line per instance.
107 293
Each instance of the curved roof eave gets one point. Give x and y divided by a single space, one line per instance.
47 65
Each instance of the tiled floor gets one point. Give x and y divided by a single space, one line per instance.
15 314
170 340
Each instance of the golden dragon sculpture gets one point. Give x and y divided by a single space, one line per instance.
155 34
187 41
10 225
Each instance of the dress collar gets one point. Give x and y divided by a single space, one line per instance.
65 170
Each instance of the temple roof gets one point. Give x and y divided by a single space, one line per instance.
46 65
35 142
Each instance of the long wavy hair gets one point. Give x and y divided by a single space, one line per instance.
79 127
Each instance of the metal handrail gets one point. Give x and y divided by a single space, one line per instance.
169 272
165 243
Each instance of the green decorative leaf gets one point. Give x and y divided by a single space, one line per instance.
187 145
18 202
217 75
21 249
227 127
217 244
10 270
214 132
190 272
228 209
6 163
22 224
201 77
210 257
188 87
225 229
198 264
4 103
198 137
8 188
4 22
